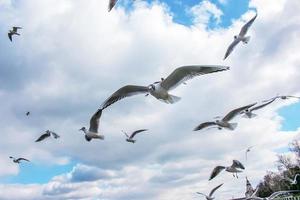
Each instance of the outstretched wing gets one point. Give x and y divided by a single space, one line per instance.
19 159
42 137
182 74
246 27
213 190
237 164
15 28
231 48
201 194
204 125
136 132
216 171
111 4
10 36
235 112
262 105
94 122
126 91
55 135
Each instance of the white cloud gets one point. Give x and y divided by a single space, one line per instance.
72 55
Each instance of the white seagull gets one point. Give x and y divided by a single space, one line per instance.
92 133
18 160
224 123
47 134
160 89
130 138
210 197
234 169
12 32
241 37
248 113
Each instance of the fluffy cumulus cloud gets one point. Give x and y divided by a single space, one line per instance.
72 54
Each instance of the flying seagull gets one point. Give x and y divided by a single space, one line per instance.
92 133
210 197
234 169
27 113
12 32
47 134
248 113
18 160
247 151
241 37
130 138
224 123
160 89
293 182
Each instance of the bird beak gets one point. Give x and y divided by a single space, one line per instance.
146 95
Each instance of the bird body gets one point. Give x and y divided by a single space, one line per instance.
234 169
92 133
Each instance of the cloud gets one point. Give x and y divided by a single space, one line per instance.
73 55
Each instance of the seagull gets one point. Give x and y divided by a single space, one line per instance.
92 133
27 113
18 160
234 169
160 89
247 151
46 135
210 197
224 123
130 138
241 37
12 32
248 113
293 182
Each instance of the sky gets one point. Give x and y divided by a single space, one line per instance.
73 54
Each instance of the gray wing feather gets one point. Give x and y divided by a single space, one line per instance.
55 135
237 164
126 91
213 190
185 73
19 159
246 27
111 4
235 112
42 137
231 48
216 171
10 36
262 105
136 132
94 122
204 125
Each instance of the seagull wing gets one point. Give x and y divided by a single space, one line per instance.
42 137
289 96
204 125
19 159
231 48
213 190
237 164
262 105
136 132
111 4
10 36
126 91
216 171
94 122
201 194
246 27
55 135
182 74
235 112
15 28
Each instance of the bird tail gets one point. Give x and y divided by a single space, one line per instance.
101 137
249 115
246 40
173 99
232 126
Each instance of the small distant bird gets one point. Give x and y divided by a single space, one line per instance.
247 151
92 133
46 135
130 138
241 37
284 97
293 182
160 89
248 113
224 123
27 113
12 32
234 169
210 197
18 160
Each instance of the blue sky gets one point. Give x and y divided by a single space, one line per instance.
63 80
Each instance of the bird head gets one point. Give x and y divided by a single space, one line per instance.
151 87
82 129
235 37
